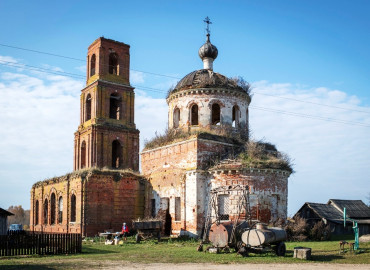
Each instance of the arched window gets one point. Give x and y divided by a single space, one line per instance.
216 114
83 154
52 209
37 213
115 107
116 154
92 65
73 208
113 63
46 206
60 210
194 115
236 116
176 118
88 108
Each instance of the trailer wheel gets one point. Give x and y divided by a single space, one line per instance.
138 238
280 249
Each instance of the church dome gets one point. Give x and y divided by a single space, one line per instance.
208 50
205 78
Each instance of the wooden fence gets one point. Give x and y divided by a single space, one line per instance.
29 243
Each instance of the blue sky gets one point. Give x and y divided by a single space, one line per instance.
313 51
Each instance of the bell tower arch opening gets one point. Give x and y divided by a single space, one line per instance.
88 108
92 65
83 154
117 157
115 106
113 63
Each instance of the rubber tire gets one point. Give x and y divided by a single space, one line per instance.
280 249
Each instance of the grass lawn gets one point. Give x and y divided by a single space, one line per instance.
97 254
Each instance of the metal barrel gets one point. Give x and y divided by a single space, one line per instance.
220 234
263 236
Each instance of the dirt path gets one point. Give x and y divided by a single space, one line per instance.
167 266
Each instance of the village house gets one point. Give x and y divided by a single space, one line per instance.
331 214
4 221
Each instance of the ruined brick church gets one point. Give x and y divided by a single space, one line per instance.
208 117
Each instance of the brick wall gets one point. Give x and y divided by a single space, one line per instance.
104 200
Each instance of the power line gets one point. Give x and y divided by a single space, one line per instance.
40 52
310 102
81 60
34 68
328 119
173 77
81 77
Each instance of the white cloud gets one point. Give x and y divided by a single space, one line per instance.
7 59
330 157
81 68
136 77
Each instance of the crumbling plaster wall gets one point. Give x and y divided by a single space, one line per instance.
177 170
205 98
268 190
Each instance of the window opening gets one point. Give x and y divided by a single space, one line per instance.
116 154
37 213
177 208
83 154
216 114
235 117
88 107
46 211
223 206
52 209
115 107
194 115
60 210
176 118
92 65
113 63
73 208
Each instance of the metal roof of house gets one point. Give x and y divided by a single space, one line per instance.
354 208
326 211
5 213
333 210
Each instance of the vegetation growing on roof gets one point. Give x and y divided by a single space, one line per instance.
208 79
175 135
264 155
85 172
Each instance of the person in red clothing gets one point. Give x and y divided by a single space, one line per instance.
125 231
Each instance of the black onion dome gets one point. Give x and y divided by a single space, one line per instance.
208 50
205 78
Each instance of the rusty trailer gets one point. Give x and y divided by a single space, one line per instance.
147 230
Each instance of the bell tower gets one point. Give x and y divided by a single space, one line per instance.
107 134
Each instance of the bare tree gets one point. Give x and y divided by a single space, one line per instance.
21 216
